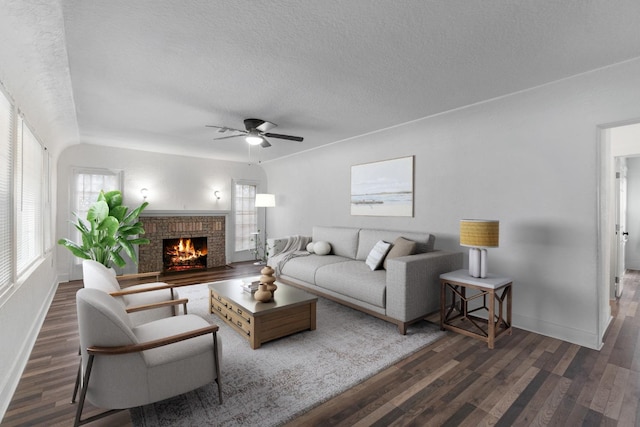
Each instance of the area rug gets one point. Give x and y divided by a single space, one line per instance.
285 378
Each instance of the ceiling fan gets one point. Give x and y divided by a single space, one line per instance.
256 132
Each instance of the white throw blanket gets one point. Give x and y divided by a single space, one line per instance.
294 247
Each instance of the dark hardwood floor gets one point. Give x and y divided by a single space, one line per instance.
528 379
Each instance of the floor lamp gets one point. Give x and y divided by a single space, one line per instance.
265 200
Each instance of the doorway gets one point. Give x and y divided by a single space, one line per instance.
618 143
632 248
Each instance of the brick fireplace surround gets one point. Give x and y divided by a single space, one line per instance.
158 228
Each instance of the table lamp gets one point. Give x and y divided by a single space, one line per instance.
478 235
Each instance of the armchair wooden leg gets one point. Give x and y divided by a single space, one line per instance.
216 366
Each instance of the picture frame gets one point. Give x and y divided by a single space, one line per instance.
383 188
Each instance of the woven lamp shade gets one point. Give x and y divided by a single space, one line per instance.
479 233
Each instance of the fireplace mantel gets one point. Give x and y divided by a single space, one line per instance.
156 213
159 225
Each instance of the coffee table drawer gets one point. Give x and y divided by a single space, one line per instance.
221 300
216 306
239 322
238 311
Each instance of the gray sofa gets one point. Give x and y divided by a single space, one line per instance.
403 292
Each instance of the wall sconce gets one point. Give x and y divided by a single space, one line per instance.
216 194
145 193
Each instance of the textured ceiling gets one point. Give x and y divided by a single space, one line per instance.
151 74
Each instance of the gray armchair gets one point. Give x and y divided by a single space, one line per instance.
97 276
127 366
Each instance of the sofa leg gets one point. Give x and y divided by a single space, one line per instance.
402 328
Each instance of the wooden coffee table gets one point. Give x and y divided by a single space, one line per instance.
291 310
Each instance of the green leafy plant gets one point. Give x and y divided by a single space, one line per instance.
260 250
108 229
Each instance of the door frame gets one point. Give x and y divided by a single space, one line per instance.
606 152
621 224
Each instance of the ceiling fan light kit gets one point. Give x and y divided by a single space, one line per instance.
253 137
256 132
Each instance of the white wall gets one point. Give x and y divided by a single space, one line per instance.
632 250
21 316
25 305
528 159
176 184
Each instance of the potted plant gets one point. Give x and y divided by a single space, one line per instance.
108 229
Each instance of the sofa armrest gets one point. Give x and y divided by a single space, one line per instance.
413 283
275 246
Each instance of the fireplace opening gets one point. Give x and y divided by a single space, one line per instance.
184 254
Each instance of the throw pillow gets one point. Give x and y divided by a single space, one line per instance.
321 248
310 247
377 254
401 247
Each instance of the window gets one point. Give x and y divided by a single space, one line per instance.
47 211
87 184
246 216
6 173
28 198
25 196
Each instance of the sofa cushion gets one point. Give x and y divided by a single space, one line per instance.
304 267
343 240
354 279
377 254
401 247
369 237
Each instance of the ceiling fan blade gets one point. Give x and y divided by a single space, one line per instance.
227 137
266 126
288 137
223 129
265 143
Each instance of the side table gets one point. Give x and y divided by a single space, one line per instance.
456 315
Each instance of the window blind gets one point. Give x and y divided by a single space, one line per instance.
47 211
29 198
6 173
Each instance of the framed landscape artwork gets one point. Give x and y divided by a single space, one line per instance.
383 188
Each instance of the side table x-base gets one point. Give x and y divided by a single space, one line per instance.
457 315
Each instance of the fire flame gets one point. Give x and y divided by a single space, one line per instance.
185 251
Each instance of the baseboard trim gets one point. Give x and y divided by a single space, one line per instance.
8 388
561 332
